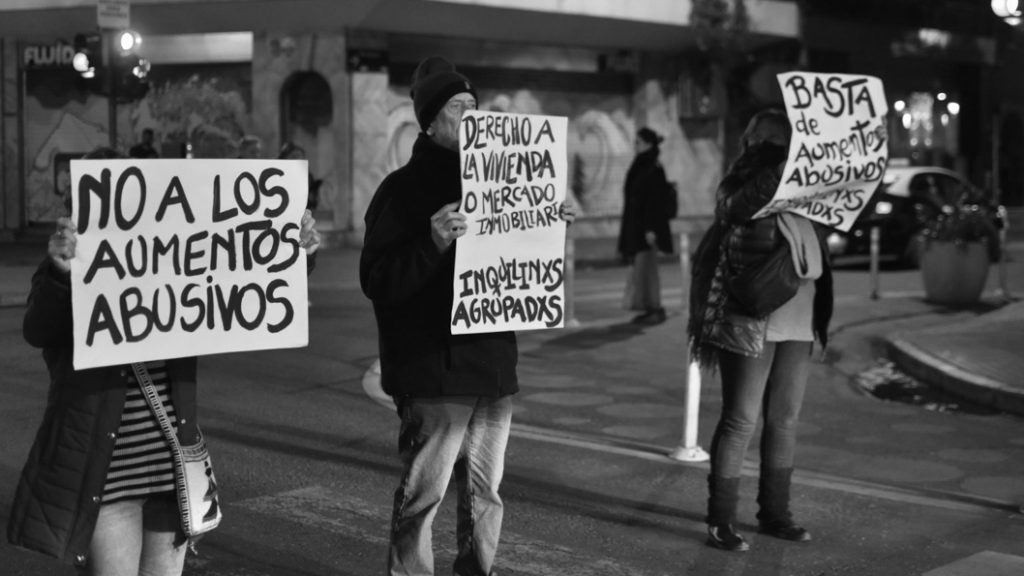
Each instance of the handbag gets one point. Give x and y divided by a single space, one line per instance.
763 286
198 496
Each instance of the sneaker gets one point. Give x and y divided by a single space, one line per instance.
725 537
785 530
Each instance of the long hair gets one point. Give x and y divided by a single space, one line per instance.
769 125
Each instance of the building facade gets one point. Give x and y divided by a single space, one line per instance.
333 77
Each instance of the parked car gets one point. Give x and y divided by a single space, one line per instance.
907 198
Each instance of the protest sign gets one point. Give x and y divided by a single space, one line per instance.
839 150
509 267
186 257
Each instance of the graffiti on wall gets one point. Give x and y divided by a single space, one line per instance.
206 105
59 121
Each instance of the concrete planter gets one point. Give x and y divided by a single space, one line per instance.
954 274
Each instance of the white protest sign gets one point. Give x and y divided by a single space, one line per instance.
186 257
509 267
839 149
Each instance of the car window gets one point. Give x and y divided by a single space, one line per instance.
925 188
950 189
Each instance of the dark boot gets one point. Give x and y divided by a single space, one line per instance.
723 498
774 517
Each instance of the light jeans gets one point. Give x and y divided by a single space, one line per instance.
771 385
464 434
137 537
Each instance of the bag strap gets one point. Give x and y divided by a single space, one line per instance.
155 405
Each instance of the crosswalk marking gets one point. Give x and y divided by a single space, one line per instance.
338 512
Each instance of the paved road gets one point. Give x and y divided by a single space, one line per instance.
307 461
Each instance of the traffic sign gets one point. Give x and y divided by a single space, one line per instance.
113 14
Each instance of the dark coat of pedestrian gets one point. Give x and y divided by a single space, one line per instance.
645 228
452 392
763 360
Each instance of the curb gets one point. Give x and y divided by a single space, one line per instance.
920 364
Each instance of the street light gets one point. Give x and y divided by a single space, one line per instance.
88 54
1008 10
130 70
129 40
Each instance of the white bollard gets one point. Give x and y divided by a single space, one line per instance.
570 282
372 387
1004 285
684 268
688 450
875 249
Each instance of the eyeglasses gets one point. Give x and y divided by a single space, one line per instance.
459 106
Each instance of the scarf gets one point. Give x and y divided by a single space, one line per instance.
803 244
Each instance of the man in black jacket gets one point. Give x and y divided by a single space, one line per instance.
452 392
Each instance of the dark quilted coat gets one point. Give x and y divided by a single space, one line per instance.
716 322
58 495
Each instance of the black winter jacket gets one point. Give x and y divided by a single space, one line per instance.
643 208
411 286
59 494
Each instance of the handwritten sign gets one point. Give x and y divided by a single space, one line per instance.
839 150
181 258
509 267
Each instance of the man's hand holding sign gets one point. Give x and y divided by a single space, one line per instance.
839 149
509 267
171 259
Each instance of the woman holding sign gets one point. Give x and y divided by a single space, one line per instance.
645 228
98 489
761 293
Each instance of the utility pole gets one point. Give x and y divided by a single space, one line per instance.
112 78
111 16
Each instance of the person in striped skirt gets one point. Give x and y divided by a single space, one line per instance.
98 488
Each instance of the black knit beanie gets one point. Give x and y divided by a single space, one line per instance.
649 136
433 83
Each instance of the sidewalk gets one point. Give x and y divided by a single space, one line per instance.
979 358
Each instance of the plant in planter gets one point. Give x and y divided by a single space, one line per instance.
957 245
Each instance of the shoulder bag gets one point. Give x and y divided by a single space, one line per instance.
762 287
198 496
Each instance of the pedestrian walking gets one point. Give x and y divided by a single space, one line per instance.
644 230
452 392
761 293
98 488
